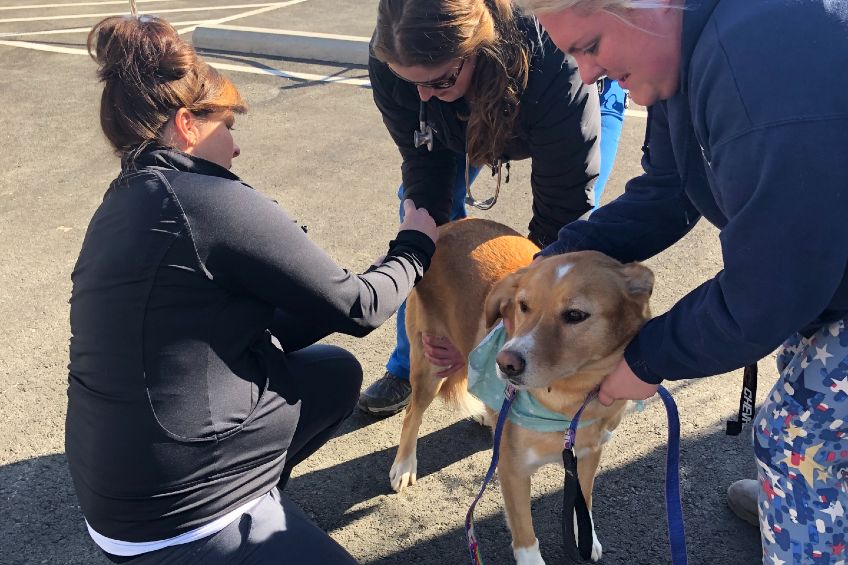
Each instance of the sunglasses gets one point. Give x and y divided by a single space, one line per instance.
440 84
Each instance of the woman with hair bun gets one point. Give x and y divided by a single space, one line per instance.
491 87
194 384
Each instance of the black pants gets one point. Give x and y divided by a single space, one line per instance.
327 380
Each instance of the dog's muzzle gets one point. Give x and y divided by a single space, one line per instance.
511 365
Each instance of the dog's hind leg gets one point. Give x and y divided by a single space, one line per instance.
425 387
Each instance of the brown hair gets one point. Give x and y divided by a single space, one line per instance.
432 32
149 73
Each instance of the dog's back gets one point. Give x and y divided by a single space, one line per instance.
471 256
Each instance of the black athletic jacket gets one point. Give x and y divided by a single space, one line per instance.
176 398
558 129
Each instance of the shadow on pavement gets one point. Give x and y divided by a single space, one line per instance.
629 508
369 475
41 522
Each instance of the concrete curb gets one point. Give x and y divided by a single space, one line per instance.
333 48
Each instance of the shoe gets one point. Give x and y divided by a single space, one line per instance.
742 499
385 397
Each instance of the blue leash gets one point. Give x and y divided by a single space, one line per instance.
473 545
673 506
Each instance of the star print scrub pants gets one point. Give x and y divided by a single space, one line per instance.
802 452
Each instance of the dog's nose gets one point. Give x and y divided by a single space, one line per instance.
511 363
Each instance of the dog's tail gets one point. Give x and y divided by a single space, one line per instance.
455 393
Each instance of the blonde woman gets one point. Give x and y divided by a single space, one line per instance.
740 132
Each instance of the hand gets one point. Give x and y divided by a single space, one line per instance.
418 219
623 384
441 352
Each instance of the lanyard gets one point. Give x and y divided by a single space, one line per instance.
423 137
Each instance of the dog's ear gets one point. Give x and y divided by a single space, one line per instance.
640 280
499 302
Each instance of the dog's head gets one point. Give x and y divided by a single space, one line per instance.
568 314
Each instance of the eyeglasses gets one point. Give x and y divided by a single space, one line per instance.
440 84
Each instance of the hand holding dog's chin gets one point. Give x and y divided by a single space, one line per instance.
623 384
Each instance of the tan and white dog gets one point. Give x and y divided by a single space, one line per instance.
568 319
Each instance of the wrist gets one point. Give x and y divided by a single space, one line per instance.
634 359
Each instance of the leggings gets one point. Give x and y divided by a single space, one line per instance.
802 452
327 380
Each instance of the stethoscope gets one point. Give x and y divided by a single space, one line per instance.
423 137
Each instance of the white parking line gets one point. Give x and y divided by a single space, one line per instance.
74 4
84 29
191 24
292 74
103 15
308 77
243 15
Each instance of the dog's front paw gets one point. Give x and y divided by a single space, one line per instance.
528 555
597 549
403 473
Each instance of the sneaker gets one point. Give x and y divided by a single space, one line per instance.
742 499
386 397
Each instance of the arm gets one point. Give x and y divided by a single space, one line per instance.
296 329
785 253
427 175
563 129
652 214
250 246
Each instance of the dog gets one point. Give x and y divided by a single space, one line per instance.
568 319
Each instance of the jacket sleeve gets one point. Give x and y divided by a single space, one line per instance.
563 130
785 253
428 176
249 245
651 215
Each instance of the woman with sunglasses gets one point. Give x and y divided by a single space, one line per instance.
491 87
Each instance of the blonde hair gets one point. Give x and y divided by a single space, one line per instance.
149 73
587 6
433 32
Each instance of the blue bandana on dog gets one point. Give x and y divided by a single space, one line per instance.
484 383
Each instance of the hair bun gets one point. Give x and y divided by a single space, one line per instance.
132 49
149 74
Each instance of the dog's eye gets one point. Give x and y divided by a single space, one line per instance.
572 316
523 306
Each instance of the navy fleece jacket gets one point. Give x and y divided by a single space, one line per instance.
755 141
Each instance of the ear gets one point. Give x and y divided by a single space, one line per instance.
640 280
499 302
184 132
